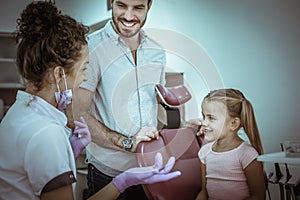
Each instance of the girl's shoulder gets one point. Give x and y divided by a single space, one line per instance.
247 153
246 146
205 149
207 146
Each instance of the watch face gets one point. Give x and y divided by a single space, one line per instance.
127 143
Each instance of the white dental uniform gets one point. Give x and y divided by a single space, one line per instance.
35 152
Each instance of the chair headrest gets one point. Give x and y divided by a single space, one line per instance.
173 96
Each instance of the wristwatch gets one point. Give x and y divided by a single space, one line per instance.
127 143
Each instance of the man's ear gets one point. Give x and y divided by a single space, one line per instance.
149 4
235 123
111 2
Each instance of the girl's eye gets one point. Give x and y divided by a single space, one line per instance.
211 118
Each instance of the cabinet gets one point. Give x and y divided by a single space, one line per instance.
10 80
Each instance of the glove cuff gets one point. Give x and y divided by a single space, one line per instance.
119 183
77 146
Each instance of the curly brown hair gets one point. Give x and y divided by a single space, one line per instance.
47 38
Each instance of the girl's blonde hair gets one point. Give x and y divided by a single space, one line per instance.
238 106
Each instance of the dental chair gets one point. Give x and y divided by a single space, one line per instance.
181 143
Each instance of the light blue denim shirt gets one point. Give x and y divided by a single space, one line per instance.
125 98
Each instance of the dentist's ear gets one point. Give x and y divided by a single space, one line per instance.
57 71
235 123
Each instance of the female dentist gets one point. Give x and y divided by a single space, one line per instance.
36 155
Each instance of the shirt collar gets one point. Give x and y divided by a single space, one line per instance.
42 107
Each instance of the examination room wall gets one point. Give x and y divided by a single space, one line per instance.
253 45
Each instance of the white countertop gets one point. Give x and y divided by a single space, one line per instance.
279 157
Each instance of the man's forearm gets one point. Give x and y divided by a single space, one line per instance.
106 137
102 135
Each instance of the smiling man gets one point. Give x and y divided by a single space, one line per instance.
118 101
128 19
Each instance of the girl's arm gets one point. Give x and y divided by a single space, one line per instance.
202 195
256 180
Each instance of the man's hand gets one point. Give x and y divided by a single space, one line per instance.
198 128
145 134
195 124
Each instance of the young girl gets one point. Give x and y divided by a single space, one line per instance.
229 166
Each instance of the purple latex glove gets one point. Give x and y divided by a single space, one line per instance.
81 137
146 175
